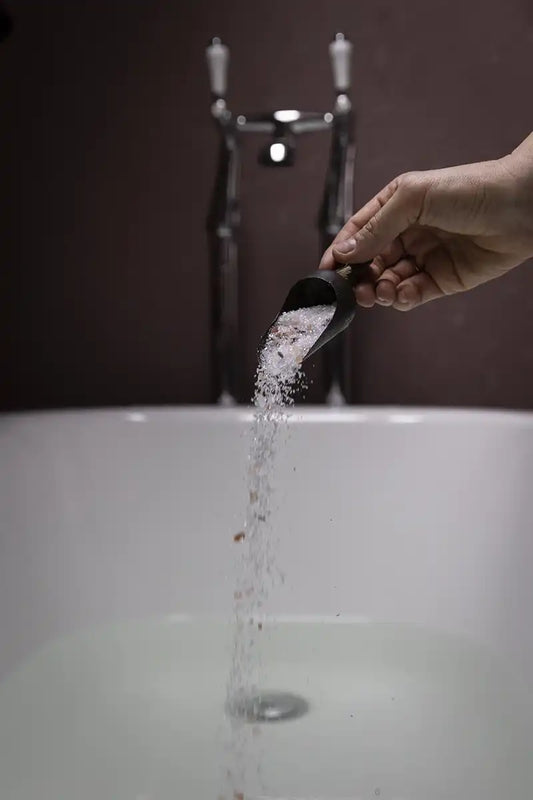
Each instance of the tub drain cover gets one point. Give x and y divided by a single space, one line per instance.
268 707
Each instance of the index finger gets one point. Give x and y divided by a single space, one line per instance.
353 225
327 261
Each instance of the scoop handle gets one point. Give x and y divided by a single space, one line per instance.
354 273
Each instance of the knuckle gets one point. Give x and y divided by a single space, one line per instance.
413 187
385 195
370 228
391 277
411 181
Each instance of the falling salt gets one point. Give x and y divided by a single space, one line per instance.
279 377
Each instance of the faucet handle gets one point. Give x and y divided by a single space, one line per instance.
217 55
340 51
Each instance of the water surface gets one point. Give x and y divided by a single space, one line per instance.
136 712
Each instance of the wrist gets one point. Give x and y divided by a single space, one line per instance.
518 169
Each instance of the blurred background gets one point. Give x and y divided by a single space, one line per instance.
107 161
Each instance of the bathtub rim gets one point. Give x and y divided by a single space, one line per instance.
386 415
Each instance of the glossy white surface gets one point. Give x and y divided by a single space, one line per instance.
408 516
396 516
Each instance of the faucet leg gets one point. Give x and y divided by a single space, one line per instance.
336 209
222 225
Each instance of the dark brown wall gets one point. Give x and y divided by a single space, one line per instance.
106 163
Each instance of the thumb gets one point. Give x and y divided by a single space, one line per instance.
397 207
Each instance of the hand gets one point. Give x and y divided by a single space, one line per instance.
431 234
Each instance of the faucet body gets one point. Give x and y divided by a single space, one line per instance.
223 221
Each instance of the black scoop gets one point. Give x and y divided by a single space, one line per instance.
326 287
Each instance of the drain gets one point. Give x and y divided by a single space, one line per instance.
268 707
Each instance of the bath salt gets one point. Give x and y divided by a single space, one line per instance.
279 377
290 339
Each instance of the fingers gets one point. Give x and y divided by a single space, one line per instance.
415 291
395 209
355 223
403 296
365 295
386 294
403 287
376 234
328 259
365 291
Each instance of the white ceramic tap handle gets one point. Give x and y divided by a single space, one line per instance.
217 64
340 51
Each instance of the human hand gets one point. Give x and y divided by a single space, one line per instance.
435 233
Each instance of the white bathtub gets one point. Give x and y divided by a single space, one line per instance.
414 519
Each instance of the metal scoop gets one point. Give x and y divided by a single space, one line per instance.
325 287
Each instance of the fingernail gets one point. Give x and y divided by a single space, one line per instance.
345 247
380 292
403 299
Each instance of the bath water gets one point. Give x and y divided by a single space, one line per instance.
278 378
136 712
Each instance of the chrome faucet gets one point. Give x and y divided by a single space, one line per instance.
284 126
